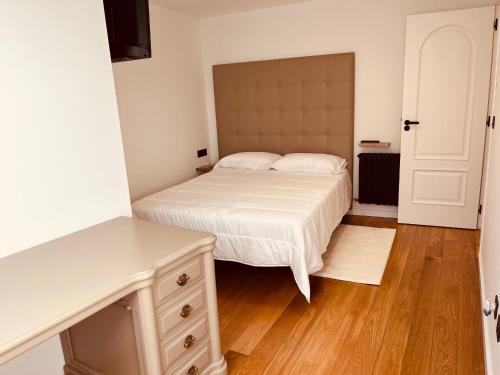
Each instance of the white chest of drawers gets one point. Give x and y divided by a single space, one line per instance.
128 297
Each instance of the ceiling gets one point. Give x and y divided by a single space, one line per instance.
209 8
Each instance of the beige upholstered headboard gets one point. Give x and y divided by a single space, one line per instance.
303 104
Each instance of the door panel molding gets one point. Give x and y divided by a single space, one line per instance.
445 64
452 185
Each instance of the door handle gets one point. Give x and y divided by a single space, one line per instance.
408 123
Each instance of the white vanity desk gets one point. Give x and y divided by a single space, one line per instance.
127 296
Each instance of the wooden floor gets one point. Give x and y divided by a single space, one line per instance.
425 318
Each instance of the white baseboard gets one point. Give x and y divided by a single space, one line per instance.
373 210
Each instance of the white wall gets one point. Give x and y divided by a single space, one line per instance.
162 105
61 158
374 30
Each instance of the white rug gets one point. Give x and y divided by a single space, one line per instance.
358 254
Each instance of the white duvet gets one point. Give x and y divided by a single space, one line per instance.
260 218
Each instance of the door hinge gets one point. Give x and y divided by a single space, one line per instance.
495 24
480 209
493 122
488 119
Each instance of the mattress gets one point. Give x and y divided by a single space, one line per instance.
261 218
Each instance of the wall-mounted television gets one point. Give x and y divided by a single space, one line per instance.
129 34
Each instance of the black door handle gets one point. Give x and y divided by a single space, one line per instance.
408 122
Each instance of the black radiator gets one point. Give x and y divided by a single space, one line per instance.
379 178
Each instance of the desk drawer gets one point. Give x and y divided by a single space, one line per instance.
181 311
187 341
177 278
195 364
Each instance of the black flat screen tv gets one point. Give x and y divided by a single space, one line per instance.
129 34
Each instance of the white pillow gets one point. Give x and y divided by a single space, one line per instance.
313 163
248 160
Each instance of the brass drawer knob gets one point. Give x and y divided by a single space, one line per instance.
186 310
183 279
193 370
189 341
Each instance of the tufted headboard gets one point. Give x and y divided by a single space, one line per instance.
303 104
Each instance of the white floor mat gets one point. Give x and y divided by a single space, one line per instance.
358 254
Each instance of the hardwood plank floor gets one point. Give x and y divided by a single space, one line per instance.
424 318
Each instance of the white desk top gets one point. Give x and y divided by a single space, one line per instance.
50 287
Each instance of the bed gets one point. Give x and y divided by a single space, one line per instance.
270 218
260 218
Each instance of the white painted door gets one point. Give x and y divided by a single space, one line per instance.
446 88
490 245
489 255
